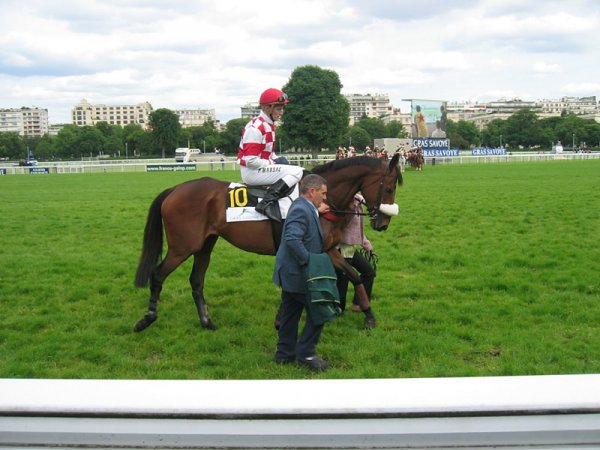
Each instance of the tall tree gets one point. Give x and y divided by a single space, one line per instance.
358 137
317 115
395 129
165 127
374 126
230 137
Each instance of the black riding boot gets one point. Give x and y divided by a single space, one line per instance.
268 205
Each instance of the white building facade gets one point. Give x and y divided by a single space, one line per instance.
195 117
27 122
374 106
85 113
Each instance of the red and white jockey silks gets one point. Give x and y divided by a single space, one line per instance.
257 143
256 155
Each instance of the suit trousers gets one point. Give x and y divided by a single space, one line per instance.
289 345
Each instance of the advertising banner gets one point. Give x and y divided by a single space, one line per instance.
39 170
170 167
485 151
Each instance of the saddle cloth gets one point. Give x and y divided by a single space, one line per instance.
241 200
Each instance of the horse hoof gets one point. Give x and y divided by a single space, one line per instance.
144 322
370 323
208 325
141 325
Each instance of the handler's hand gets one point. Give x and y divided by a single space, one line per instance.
324 208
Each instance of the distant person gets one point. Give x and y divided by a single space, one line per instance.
438 132
302 234
258 165
443 117
420 123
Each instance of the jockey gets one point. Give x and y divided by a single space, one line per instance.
258 163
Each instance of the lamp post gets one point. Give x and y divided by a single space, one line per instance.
573 141
500 141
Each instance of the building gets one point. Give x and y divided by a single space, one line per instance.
195 117
375 106
481 114
250 110
27 122
85 113
584 106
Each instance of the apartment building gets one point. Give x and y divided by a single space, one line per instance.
250 110
195 117
27 122
85 113
374 106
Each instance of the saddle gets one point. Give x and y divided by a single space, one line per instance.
241 200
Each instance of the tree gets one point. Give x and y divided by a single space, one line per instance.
89 141
395 129
12 146
65 144
462 134
135 139
317 115
375 127
523 128
359 137
165 127
230 137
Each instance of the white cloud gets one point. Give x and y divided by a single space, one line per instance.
222 54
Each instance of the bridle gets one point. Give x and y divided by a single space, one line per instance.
371 212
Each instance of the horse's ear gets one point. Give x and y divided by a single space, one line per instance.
395 162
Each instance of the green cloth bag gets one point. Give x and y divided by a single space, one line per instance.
321 287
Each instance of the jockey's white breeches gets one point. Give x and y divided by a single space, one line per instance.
271 173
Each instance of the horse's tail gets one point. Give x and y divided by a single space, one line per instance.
153 241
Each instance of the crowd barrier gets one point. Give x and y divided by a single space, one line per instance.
549 412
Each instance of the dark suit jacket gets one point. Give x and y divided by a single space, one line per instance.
302 234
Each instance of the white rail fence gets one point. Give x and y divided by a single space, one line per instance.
549 412
230 164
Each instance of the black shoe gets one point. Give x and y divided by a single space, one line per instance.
284 360
315 363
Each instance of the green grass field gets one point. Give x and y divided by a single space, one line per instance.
488 270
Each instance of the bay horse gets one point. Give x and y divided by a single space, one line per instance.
415 159
193 217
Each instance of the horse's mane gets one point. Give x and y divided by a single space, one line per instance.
347 162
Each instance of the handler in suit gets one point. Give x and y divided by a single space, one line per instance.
302 234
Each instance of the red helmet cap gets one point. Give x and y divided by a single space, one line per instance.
273 96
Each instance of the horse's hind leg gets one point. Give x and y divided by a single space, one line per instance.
162 271
197 277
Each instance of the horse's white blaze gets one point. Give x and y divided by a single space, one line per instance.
389 210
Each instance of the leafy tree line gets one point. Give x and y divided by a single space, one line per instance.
317 117
162 136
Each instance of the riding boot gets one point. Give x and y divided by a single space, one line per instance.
268 205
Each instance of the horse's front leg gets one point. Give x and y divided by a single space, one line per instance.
363 299
197 277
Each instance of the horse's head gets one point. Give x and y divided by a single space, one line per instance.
379 191
374 178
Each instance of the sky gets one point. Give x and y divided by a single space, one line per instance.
221 54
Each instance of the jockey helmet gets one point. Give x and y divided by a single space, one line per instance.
273 96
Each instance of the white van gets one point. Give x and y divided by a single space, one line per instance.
185 154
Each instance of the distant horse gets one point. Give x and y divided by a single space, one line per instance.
193 216
416 160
